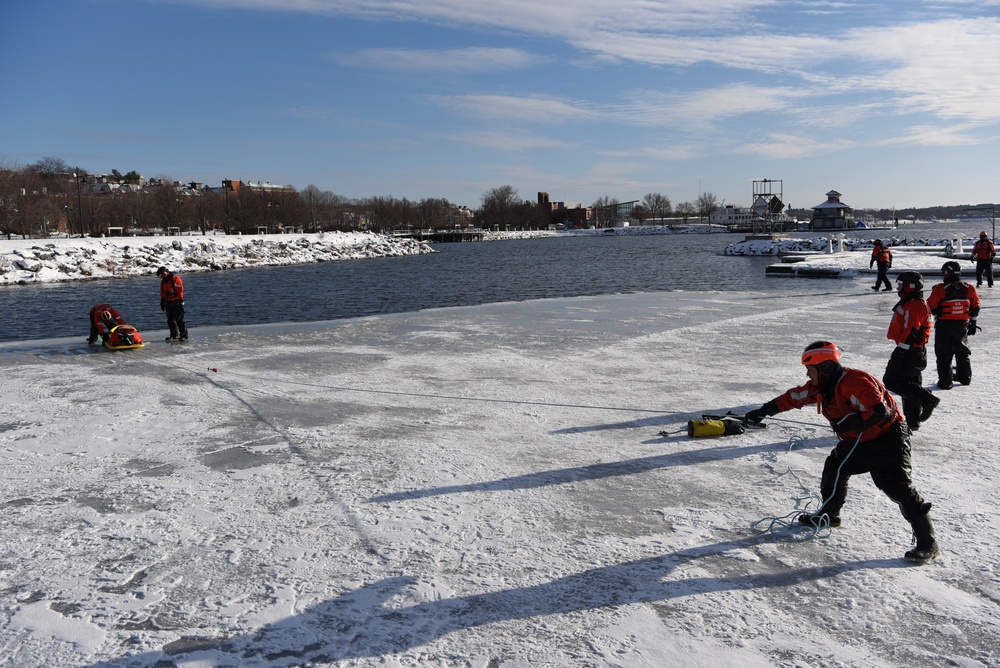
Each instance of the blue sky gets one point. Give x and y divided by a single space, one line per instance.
893 104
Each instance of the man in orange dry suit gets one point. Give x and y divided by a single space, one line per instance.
955 305
873 437
172 302
882 256
983 253
910 328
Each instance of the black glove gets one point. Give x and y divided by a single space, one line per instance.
163 304
758 414
973 327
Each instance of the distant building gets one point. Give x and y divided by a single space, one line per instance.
229 185
567 214
832 214
740 217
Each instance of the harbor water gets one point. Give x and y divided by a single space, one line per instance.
459 274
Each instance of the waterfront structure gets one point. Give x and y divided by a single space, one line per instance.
832 214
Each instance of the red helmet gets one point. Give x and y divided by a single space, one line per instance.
983 235
106 316
818 352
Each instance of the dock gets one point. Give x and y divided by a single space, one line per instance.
441 236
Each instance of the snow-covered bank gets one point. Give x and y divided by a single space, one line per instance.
848 258
840 243
482 486
51 260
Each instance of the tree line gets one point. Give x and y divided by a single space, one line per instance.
49 196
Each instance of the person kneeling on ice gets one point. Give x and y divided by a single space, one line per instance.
874 439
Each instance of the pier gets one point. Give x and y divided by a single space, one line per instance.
441 236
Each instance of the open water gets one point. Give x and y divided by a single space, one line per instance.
459 274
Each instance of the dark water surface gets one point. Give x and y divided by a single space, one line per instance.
459 274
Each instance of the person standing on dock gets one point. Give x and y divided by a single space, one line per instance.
910 328
983 252
955 305
882 256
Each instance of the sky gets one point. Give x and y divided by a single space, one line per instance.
506 485
893 104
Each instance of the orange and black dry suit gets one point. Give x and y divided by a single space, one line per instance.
983 252
910 328
172 302
856 402
882 256
955 305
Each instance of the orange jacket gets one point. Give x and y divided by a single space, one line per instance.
881 254
911 322
956 300
855 391
172 288
983 250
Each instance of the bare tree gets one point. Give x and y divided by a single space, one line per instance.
378 213
497 209
685 210
658 205
208 209
604 211
706 204
434 213
51 165
640 214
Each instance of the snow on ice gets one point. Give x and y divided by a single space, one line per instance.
484 486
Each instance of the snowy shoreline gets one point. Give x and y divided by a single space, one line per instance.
31 261
482 486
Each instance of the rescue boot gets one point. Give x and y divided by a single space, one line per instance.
927 406
925 547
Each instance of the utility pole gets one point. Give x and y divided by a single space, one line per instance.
79 202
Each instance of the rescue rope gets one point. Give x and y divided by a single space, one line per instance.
821 528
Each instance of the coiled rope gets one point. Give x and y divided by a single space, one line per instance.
821 526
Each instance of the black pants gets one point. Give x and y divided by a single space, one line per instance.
904 376
951 342
175 319
886 459
883 275
984 268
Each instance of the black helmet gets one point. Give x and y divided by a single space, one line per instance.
908 282
161 271
877 242
951 269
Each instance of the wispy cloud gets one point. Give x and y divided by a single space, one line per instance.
783 146
700 109
475 59
509 142
936 135
536 109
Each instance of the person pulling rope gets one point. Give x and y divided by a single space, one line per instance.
873 438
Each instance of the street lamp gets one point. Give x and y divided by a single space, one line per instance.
79 203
